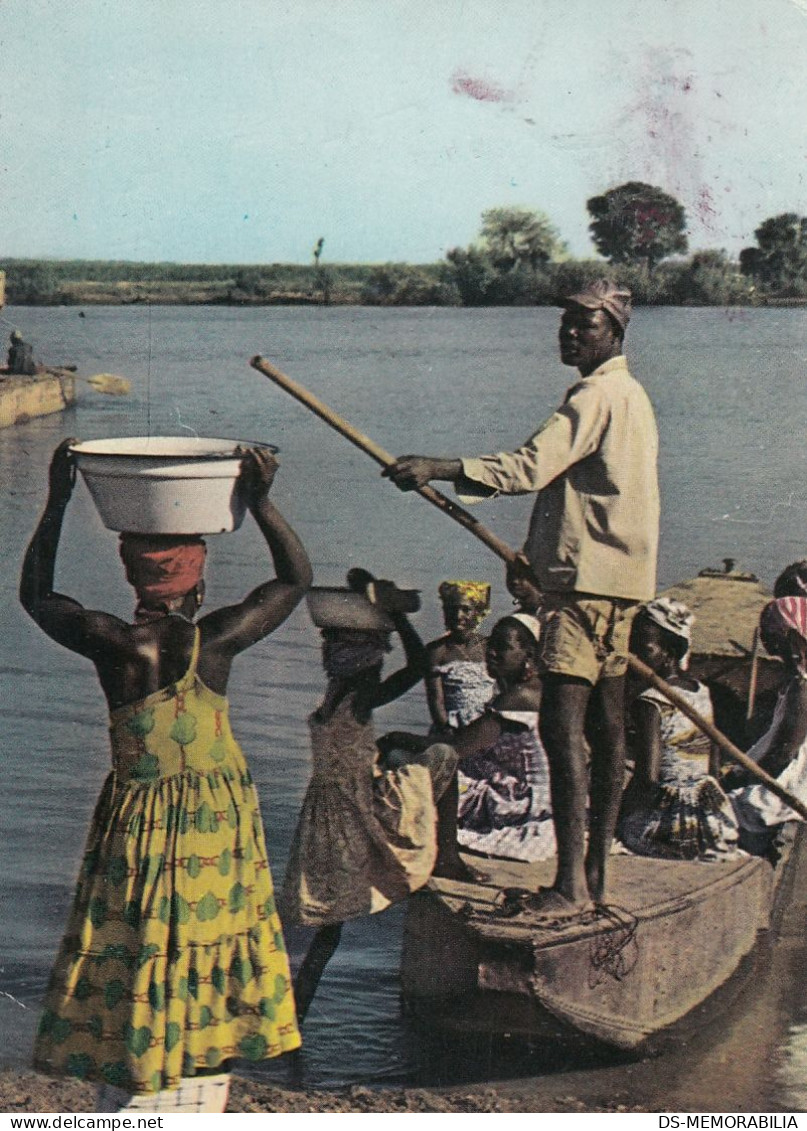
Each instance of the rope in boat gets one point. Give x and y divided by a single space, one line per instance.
614 951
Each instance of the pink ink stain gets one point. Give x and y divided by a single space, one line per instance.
705 207
479 89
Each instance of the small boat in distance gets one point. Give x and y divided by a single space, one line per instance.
51 389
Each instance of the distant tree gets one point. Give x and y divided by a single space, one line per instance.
472 273
637 223
514 237
398 284
249 281
30 283
779 262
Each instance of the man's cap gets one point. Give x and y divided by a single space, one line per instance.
16 336
604 295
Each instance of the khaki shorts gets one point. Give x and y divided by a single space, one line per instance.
585 636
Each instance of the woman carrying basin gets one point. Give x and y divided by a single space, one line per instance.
173 961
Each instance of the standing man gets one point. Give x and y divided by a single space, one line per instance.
592 544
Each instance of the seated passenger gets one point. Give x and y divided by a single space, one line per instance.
782 750
673 807
20 356
504 807
458 686
523 588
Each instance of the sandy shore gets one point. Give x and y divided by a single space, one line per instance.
23 1090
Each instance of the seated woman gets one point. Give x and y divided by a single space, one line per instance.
367 832
782 750
504 806
673 807
458 686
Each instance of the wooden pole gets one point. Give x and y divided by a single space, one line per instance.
716 736
752 682
436 498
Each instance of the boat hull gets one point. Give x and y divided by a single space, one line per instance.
23 398
673 933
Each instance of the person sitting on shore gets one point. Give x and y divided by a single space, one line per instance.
173 961
20 360
782 750
367 834
673 806
505 808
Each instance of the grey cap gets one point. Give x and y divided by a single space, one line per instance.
604 295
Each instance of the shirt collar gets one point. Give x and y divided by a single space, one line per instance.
609 366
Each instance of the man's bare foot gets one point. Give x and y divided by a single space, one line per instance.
551 904
457 869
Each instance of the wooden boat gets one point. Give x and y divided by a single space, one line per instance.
672 934
22 398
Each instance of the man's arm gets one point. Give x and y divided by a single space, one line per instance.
568 436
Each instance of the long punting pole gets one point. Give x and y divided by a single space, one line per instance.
436 498
508 554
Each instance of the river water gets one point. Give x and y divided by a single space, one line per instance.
728 387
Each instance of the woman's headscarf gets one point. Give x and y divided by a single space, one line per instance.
477 592
675 617
531 623
162 567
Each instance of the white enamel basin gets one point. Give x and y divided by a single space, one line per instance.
165 484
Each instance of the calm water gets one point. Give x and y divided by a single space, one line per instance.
728 387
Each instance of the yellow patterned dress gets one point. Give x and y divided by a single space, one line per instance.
173 959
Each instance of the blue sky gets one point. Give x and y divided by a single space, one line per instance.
242 130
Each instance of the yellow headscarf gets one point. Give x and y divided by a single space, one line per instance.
477 592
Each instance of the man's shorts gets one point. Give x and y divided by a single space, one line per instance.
585 636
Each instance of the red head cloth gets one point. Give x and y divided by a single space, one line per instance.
783 614
162 567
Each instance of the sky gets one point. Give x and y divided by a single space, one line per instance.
241 131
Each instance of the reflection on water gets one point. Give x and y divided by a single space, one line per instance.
733 464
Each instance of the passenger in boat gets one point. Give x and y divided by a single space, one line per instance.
592 545
673 806
173 962
522 588
20 361
367 834
458 685
792 581
505 808
782 750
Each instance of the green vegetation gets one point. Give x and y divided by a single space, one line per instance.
518 259
637 223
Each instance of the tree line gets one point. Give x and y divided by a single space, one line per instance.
518 258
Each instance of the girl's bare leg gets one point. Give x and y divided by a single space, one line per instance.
322 948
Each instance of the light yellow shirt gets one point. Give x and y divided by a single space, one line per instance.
595 525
